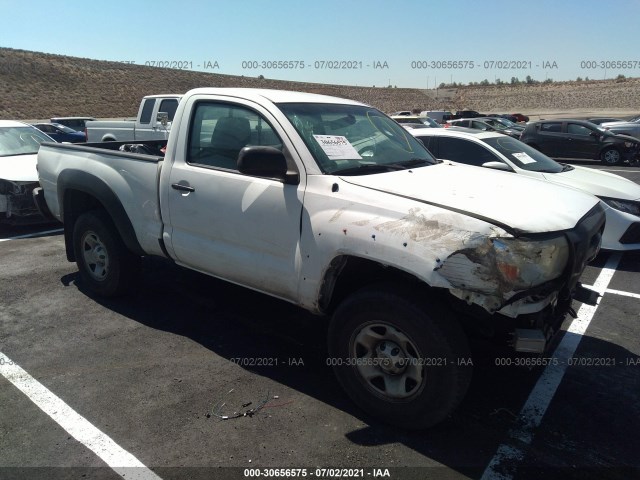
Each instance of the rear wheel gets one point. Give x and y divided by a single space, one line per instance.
400 357
105 264
610 156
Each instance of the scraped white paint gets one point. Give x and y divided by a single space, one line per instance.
121 461
504 464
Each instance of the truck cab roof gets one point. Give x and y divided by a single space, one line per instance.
274 96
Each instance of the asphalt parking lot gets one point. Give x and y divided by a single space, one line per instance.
150 375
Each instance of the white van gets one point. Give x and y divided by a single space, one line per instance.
437 115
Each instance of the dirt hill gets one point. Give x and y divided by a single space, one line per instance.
38 86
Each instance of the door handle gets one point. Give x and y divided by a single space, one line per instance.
182 188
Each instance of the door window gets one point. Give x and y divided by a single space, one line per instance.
479 126
464 151
169 106
575 129
147 110
553 127
219 131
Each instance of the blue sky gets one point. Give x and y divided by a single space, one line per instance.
558 34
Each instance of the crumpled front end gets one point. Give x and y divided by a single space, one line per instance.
16 202
513 276
529 282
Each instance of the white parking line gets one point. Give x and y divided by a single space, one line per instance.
625 294
121 461
619 292
504 464
29 235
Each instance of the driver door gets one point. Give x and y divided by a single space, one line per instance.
237 227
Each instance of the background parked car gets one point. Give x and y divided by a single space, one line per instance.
412 126
61 133
508 123
19 144
520 117
601 120
469 114
439 116
631 127
485 124
579 139
429 122
76 123
492 150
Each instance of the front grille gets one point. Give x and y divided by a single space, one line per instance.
632 235
585 241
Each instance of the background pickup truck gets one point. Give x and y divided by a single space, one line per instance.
148 125
329 204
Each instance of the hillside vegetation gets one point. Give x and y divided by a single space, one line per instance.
37 86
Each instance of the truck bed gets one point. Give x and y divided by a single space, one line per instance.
134 176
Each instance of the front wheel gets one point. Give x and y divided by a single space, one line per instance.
610 156
106 266
399 357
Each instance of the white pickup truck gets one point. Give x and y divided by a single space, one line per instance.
153 122
329 204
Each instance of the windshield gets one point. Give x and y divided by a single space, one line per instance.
354 138
20 140
495 123
431 122
64 128
522 155
506 122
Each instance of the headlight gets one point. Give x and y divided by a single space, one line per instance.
502 265
627 206
525 263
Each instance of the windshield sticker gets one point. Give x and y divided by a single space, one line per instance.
337 147
523 157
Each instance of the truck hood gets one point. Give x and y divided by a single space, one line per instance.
19 168
515 203
597 182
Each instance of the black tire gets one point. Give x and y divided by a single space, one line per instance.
105 264
405 329
611 156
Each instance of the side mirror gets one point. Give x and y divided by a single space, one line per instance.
163 118
498 166
266 162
